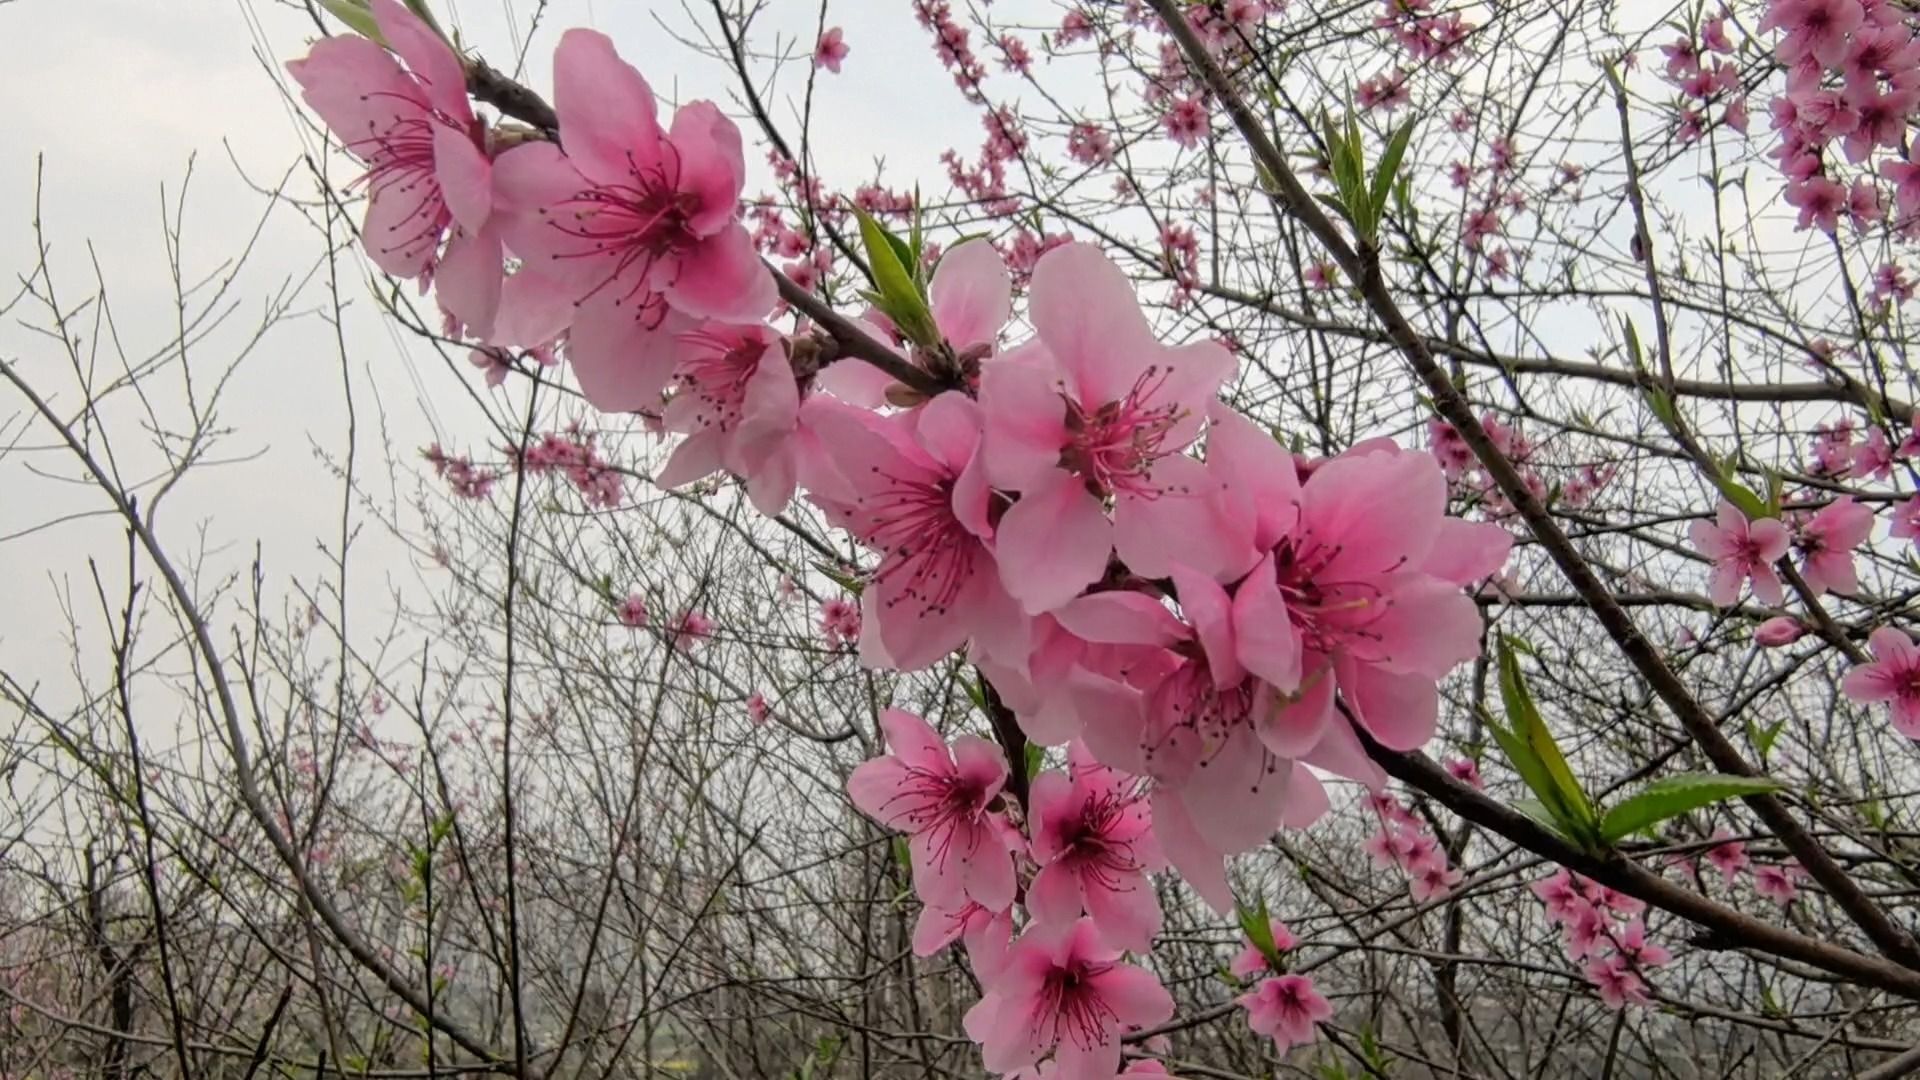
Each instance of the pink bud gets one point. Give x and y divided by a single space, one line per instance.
1783 630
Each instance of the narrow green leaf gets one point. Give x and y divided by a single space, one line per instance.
1337 207
1671 796
1257 924
847 581
1528 726
357 16
1388 170
1741 496
977 696
1554 810
1763 737
1633 344
897 293
916 243
1036 760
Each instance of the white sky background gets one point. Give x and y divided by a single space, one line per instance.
117 94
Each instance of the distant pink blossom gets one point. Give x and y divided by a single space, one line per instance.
840 621
1825 542
633 611
689 629
1467 771
830 50
1617 983
1776 882
1186 122
1741 551
1729 856
1286 1009
1780 630
1892 675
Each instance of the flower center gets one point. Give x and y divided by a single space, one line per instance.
929 554
1113 448
637 225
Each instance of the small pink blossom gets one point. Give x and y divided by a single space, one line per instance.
1092 837
1741 551
757 710
689 629
634 228
1433 879
1186 122
1250 961
1467 771
840 621
830 50
1729 856
1776 883
1285 1008
1892 675
1094 408
633 611
1780 630
1617 983
1825 542
1632 944
428 175
910 487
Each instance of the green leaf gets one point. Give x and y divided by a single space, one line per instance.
1560 790
845 580
916 242
1538 811
357 16
1741 496
1527 764
896 293
1662 406
1671 796
1257 924
974 693
1036 760
1763 738
1337 207
1389 167
1633 344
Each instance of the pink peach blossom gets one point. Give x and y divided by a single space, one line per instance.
633 224
1286 1009
1092 837
1093 408
830 50
1892 675
1063 991
1741 550
940 798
